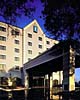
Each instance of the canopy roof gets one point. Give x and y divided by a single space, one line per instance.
52 59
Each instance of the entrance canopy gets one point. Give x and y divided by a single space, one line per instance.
52 59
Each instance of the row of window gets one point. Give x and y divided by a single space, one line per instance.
39 38
30 52
4 48
30 44
3 66
16 31
4 57
2 29
3 38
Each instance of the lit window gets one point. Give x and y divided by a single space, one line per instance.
35 29
2 67
30 43
2 29
16 50
16 41
16 58
40 46
47 42
2 47
29 35
2 56
2 38
29 51
40 38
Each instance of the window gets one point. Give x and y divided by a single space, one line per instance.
47 48
2 47
16 68
40 38
16 50
2 56
2 66
55 82
29 35
47 42
2 38
40 46
16 58
39 53
2 29
29 59
29 51
15 32
30 43
16 41
35 29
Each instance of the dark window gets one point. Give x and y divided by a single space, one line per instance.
47 48
16 58
2 47
30 43
40 46
29 59
15 32
47 42
16 41
16 67
29 35
2 56
29 51
66 87
55 82
40 38
39 53
2 38
16 50
35 29
2 29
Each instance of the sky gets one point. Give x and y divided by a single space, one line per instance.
23 21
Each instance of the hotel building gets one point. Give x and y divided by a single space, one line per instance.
20 45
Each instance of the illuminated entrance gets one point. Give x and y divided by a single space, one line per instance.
65 57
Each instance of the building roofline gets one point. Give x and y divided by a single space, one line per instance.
33 22
10 24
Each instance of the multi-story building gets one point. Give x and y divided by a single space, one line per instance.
18 46
34 41
10 47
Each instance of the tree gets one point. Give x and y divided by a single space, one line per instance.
62 18
10 9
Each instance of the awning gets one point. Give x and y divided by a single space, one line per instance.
52 59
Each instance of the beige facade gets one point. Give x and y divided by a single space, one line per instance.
10 47
35 41
18 46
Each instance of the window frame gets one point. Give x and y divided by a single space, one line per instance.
29 35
